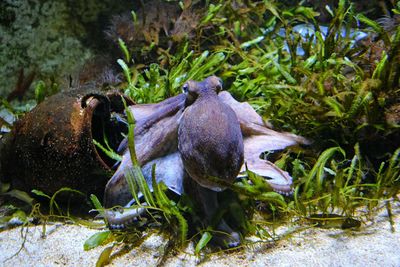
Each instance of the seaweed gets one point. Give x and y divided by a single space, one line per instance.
334 80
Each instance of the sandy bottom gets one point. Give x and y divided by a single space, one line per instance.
374 244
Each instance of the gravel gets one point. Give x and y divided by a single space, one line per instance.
374 244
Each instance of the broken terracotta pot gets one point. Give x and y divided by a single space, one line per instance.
52 146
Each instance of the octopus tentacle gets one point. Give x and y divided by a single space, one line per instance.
121 218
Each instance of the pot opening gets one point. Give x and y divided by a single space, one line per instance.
108 131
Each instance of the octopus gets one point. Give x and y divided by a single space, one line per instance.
200 141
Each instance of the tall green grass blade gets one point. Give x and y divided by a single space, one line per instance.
336 106
110 153
40 193
53 198
132 184
96 240
125 69
134 17
40 91
247 44
316 176
124 49
204 240
134 175
143 186
202 68
381 67
169 208
392 174
351 170
97 205
375 26
290 79
210 14
105 257
21 195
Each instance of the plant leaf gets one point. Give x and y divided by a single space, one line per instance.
205 238
21 195
96 240
104 258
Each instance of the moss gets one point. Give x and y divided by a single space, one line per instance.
36 37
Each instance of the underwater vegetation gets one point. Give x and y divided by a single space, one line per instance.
330 74
48 39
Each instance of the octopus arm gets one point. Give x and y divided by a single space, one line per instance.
259 138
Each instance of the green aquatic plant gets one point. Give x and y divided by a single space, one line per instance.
337 184
315 85
324 85
155 84
37 38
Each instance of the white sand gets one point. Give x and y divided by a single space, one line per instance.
372 245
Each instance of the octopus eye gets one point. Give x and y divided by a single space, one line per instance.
185 88
218 87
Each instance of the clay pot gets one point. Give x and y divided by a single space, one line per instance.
52 146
